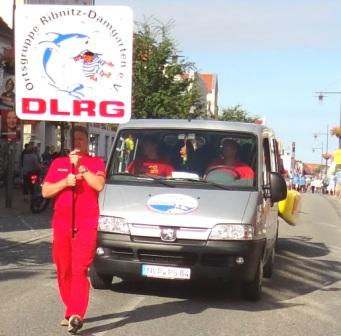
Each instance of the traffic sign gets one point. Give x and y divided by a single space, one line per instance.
74 63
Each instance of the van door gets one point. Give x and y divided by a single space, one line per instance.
270 208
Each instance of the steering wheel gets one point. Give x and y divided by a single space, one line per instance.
232 172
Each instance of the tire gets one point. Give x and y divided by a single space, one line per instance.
269 265
252 291
39 204
99 281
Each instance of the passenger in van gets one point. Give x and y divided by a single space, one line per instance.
151 162
229 158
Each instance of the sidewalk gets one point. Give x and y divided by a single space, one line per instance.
18 224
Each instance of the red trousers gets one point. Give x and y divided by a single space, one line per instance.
73 257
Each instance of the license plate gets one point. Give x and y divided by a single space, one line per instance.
166 272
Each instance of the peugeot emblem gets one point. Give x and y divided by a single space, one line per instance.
168 234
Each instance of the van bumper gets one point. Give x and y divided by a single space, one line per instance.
123 257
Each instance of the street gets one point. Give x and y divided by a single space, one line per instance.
302 298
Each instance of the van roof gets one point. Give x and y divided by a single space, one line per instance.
195 124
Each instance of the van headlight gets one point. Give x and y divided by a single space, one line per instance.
113 224
231 232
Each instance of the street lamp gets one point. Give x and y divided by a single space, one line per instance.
175 57
321 95
326 154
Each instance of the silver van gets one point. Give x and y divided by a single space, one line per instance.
184 213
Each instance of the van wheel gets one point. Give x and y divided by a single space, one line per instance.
252 290
99 281
269 265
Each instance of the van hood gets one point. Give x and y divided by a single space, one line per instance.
177 206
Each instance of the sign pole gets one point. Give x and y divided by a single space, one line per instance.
73 208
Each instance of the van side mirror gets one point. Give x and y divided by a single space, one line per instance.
278 187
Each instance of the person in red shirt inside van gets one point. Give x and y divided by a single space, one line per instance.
74 181
229 158
151 162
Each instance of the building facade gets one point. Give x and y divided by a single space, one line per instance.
208 84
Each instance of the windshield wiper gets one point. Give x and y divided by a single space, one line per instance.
160 180
146 178
122 174
163 181
187 179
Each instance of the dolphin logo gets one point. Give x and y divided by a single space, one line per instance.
68 43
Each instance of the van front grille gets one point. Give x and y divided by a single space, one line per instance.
192 242
122 253
167 258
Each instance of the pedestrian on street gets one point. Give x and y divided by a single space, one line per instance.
302 183
30 167
296 182
331 184
7 98
338 183
313 184
75 182
47 156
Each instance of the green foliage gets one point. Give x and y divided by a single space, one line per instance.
236 113
160 87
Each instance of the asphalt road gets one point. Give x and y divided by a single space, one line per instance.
302 298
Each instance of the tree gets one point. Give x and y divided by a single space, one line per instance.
162 87
236 113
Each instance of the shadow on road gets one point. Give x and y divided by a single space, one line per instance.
300 269
25 260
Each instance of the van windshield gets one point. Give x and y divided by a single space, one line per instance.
199 158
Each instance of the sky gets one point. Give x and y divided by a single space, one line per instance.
270 57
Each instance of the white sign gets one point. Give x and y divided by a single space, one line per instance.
60 2
74 63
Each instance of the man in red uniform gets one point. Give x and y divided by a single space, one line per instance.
75 182
229 158
150 163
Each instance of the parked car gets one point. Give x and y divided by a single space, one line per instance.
199 221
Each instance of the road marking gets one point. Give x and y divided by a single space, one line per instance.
26 223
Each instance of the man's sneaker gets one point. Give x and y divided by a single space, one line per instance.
75 323
64 322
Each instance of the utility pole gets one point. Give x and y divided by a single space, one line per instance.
326 154
320 148
293 157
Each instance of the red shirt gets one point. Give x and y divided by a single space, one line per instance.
85 197
244 171
144 166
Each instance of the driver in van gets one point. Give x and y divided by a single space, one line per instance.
229 158
151 162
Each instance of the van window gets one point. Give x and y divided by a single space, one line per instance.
185 156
